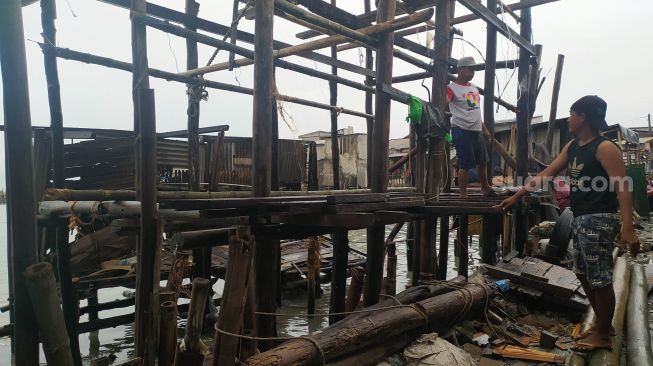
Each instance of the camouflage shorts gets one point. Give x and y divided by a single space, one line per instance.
593 237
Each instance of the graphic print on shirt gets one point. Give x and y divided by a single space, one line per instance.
473 100
574 173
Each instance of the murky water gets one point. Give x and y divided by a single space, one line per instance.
118 341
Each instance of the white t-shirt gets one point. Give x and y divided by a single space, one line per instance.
465 106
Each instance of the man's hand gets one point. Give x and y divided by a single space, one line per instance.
629 240
507 203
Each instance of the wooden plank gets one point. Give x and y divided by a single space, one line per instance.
217 203
374 206
442 210
549 288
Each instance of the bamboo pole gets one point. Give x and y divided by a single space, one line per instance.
194 96
191 350
490 71
379 157
355 289
369 99
21 223
390 287
168 333
333 100
312 281
554 103
232 308
379 28
147 270
443 255
638 347
40 282
69 300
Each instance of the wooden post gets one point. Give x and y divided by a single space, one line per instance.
267 251
232 308
340 241
48 14
69 300
443 256
146 286
274 146
391 269
140 76
168 333
312 280
554 105
463 246
369 100
333 100
380 136
39 279
194 96
194 348
20 185
355 289
523 103
313 182
489 239
488 98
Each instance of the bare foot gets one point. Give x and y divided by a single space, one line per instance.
591 330
593 342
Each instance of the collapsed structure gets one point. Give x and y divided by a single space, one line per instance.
258 216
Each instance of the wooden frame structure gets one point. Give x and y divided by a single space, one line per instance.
268 211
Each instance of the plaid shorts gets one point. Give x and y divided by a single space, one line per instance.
593 237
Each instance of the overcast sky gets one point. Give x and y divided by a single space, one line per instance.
603 43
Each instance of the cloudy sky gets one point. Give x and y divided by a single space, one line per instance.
605 47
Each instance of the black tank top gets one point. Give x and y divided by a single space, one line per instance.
591 191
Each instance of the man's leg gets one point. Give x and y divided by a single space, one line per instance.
463 179
605 303
482 176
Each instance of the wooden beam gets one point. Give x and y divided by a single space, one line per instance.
369 99
194 96
383 27
340 242
125 66
490 74
216 28
350 221
490 17
333 100
554 104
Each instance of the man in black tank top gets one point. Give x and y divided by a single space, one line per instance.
599 190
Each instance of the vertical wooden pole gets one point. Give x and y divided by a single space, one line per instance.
193 110
443 256
168 333
274 147
488 98
355 289
193 354
140 78
333 99
266 251
489 239
48 14
340 241
39 279
69 299
523 103
554 105
20 185
463 246
146 286
369 101
381 133
313 182
312 278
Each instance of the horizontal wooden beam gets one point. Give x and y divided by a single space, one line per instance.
350 220
488 16
160 74
216 28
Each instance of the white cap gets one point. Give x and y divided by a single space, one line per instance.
466 62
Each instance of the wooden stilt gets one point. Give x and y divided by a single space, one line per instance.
489 239
147 270
234 297
168 333
194 97
340 241
21 222
379 171
39 279
355 289
488 98
463 246
391 270
417 270
312 280
249 347
443 256
369 100
192 353
68 294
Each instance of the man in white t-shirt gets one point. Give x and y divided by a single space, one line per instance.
469 133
